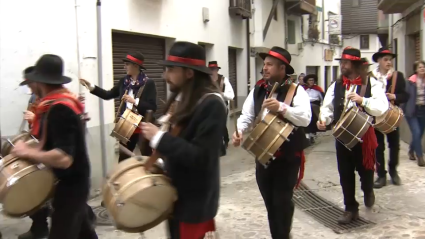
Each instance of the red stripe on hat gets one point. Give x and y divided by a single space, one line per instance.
134 59
212 65
279 56
350 57
365 63
189 61
386 51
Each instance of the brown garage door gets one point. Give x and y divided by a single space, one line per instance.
232 72
153 49
418 47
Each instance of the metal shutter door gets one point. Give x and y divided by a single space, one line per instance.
153 49
232 73
418 47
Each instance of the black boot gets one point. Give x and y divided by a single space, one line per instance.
348 217
380 182
369 199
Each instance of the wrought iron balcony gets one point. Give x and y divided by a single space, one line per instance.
300 7
395 6
240 8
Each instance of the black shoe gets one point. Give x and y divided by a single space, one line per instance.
312 140
380 182
411 155
348 217
369 199
30 235
395 179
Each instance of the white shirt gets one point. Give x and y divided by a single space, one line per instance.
383 79
130 93
299 113
228 93
314 95
376 105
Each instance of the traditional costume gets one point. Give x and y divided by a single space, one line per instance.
316 95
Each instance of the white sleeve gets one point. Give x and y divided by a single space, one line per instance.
228 90
327 108
376 105
248 113
300 111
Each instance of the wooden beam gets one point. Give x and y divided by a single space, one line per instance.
269 20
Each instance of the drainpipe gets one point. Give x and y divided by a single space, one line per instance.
390 29
80 87
248 54
100 84
323 20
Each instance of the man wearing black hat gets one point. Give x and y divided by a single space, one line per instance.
366 92
59 125
135 81
278 179
316 95
191 150
387 76
228 94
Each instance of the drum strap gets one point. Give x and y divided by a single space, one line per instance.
290 94
393 84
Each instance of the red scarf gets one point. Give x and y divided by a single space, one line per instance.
314 87
62 96
370 143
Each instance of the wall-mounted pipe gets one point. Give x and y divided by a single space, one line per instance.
80 87
100 84
248 54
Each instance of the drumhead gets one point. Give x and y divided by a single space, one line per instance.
146 205
28 192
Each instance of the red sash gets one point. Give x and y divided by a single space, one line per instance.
314 87
62 96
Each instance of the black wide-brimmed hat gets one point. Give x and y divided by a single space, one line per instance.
351 54
135 58
281 54
307 77
47 70
383 51
213 65
366 62
187 55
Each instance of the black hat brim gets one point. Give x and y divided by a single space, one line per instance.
339 59
39 78
310 76
378 55
127 60
289 69
215 67
202 69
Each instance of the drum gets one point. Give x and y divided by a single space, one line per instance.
7 147
126 125
389 121
350 129
138 199
267 137
24 186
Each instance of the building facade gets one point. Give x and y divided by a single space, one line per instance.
231 31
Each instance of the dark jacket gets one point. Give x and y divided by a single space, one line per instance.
400 89
409 108
147 99
192 162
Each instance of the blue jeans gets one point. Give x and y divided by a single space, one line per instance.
417 127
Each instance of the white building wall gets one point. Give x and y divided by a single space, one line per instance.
49 26
374 46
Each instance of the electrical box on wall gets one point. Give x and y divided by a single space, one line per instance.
206 14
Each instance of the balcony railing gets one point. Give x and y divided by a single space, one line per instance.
240 8
300 7
395 6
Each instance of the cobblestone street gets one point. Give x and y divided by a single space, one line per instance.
398 212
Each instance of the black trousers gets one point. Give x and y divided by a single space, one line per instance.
348 163
393 140
146 150
315 109
70 217
276 184
226 138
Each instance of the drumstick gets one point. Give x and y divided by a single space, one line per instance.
260 115
232 107
123 149
119 108
346 104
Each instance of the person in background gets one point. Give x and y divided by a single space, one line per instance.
301 79
228 94
414 111
365 66
316 95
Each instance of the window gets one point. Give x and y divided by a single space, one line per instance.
364 41
291 32
355 3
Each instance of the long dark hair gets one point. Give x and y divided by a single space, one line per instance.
192 92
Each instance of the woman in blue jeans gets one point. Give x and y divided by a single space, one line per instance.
414 111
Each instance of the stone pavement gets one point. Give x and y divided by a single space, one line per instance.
399 210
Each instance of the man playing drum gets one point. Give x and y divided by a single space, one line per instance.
278 179
362 156
132 82
191 157
384 73
63 149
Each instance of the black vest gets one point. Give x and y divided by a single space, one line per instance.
339 95
297 140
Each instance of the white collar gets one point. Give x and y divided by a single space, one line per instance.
179 97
